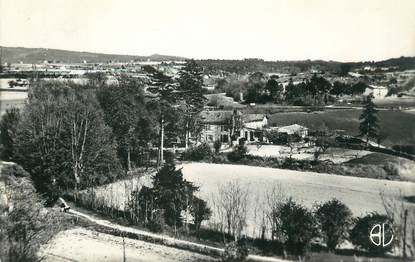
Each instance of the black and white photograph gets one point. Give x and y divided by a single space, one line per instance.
207 130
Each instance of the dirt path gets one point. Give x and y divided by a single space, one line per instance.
166 240
81 244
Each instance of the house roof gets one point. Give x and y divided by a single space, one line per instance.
215 117
291 129
252 117
221 117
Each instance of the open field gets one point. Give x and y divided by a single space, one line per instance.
85 245
397 126
360 194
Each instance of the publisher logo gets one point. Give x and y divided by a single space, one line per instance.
377 235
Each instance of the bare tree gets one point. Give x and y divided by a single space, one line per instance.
402 215
275 198
231 203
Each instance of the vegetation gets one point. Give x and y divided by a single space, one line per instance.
24 223
126 112
198 153
8 130
360 233
334 219
169 201
63 140
298 226
369 122
238 153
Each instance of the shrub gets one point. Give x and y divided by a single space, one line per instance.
359 235
198 153
334 219
298 226
235 251
238 153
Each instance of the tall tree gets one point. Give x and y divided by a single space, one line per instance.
8 129
191 88
166 94
125 112
369 121
275 90
63 141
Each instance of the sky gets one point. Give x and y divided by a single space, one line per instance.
341 30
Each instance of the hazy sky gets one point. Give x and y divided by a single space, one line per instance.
344 30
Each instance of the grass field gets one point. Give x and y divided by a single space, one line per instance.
397 126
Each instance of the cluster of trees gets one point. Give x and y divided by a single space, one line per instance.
292 224
70 137
171 201
315 91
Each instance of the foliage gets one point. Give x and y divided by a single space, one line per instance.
8 130
235 251
368 127
172 193
238 153
298 226
126 113
26 224
334 219
63 141
200 211
360 233
198 153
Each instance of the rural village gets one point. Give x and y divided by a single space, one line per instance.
110 157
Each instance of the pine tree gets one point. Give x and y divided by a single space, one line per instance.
191 90
369 121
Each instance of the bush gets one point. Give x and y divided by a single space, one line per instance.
238 153
298 226
198 153
359 235
334 219
235 251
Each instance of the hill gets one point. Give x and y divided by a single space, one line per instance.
38 55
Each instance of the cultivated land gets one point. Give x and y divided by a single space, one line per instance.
308 188
398 127
81 244
360 194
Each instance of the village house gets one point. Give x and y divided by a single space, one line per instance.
377 91
227 126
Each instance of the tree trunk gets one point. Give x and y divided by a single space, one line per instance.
161 146
128 158
187 135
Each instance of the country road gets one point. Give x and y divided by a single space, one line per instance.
164 239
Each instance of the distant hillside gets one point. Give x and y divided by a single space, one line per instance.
36 55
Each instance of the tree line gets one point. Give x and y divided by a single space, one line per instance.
314 91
